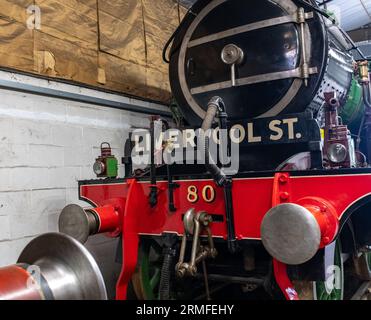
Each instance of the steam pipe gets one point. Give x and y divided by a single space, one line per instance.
367 117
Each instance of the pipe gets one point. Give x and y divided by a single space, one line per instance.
366 94
367 117
215 105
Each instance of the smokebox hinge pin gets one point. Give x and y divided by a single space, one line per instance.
302 16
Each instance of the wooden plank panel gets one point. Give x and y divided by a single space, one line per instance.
71 61
16 45
77 25
122 39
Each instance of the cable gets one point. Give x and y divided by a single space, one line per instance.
177 30
318 10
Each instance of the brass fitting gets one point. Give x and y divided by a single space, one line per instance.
363 71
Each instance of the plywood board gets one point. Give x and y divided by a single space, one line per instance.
160 17
123 76
114 44
158 87
16 45
126 10
15 9
70 20
122 39
155 47
72 62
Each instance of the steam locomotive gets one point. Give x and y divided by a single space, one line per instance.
280 79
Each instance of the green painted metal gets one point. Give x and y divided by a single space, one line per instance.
353 110
333 15
150 270
112 167
326 290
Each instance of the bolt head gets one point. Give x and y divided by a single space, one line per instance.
284 196
283 178
326 240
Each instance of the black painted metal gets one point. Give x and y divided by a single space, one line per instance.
273 49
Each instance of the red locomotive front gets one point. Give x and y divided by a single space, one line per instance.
261 184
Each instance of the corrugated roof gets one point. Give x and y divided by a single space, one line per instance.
352 14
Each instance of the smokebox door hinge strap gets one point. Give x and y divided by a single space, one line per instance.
294 18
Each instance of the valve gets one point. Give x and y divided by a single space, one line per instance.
232 56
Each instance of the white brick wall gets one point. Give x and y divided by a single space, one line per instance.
46 146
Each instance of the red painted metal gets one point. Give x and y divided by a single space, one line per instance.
110 216
135 205
157 220
253 198
21 285
283 281
328 197
326 217
282 194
